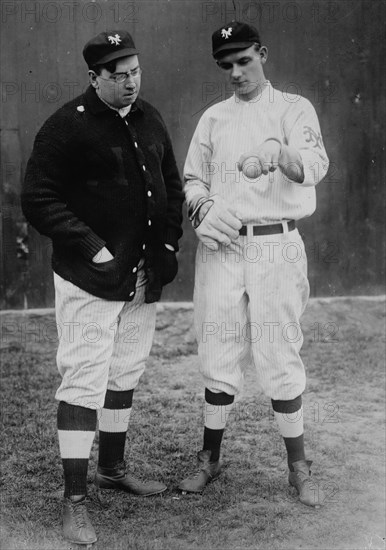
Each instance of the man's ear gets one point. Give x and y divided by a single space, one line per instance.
263 54
93 79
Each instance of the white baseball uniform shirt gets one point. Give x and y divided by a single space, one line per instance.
233 127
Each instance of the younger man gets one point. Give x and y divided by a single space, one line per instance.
250 174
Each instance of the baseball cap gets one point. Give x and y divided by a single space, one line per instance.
234 36
107 46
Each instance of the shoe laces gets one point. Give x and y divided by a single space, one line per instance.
80 513
197 474
200 472
309 483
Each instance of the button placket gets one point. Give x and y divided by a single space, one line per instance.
146 174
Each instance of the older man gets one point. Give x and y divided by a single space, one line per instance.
102 183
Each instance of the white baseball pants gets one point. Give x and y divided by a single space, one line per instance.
102 344
248 299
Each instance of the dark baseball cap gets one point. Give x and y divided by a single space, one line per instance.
107 46
234 36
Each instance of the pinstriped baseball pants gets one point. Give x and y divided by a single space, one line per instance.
248 300
102 344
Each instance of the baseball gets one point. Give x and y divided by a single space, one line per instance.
251 168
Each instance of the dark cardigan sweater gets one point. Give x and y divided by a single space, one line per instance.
94 180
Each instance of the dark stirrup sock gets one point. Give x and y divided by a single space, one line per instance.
289 416
113 424
217 408
76 431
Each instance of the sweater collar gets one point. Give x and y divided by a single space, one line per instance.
97 106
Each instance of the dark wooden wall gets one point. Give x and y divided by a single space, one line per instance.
332 52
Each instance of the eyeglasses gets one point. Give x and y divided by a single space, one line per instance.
120 78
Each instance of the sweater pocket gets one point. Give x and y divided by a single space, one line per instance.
104 266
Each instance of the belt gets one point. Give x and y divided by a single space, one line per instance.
268 229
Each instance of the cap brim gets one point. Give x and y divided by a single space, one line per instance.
234 46
116 55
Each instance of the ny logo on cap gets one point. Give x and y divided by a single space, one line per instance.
115 39
225 33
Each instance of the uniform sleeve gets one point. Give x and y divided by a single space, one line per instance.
302 132
197 168
43 197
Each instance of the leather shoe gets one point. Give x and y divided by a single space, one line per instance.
119 478
309 491
77 526
208 471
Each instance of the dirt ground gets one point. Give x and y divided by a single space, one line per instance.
344 409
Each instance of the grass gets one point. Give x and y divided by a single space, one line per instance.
251 505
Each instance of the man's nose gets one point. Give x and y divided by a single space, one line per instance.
129 83
235 72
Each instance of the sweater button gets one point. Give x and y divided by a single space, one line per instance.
149 222
143 247
135 269
132 293
135 144
149 193
144 168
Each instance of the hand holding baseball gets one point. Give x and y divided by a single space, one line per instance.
261 161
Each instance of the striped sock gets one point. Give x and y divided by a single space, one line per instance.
76 431
216 410
113 424
289 416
